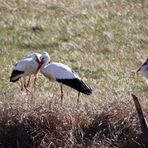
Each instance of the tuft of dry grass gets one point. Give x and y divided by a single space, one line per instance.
49 125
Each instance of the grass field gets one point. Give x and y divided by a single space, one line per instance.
104 41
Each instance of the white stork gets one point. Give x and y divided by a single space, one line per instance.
64 75
144 69
28 66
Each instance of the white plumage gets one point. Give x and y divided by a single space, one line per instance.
144 69
58 71
34 55
26 67
64 75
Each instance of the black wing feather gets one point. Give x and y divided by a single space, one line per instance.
77 84
14 74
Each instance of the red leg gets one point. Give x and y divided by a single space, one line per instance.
25 85
28 83
78 97
27 90
62 95
22 85
34 83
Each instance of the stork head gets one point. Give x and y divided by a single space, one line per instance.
144 64
45 58
37 56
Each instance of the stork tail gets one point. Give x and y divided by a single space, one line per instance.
15 76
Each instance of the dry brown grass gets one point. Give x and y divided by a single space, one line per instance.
53 125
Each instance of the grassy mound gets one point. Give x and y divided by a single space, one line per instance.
49 125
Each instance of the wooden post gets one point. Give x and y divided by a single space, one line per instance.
143 122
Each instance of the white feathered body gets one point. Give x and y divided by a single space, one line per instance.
32 55
144 71
64 75
25 67
58 71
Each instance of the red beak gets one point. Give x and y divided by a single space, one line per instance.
139 68
39 65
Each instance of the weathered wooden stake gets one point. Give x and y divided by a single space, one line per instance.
143 122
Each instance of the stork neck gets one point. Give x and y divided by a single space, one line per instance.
44 64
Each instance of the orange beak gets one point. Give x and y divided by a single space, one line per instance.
139 68
39 65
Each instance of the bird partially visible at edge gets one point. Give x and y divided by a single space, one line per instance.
143 69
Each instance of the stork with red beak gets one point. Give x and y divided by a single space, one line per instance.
64 75
28 66
143 69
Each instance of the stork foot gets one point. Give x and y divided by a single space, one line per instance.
22 88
